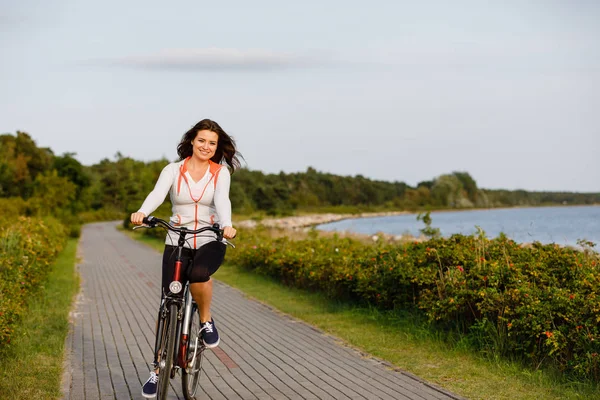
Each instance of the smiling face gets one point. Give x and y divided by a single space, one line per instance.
204 145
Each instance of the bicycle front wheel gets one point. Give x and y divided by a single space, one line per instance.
190 378
167 351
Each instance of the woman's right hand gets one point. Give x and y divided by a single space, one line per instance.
137 218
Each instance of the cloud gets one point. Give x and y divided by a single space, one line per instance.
212 59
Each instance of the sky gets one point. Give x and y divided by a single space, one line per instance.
393 90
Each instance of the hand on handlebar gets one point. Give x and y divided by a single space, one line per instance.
137 218
229 232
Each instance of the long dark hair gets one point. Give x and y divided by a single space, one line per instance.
226 149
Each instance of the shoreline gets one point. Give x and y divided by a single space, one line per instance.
310 220
304 222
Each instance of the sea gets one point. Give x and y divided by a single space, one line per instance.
563 225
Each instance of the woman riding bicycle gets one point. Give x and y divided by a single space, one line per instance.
199 191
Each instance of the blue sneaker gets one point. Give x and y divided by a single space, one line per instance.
149 389
210 336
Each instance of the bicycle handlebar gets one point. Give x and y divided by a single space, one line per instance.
152 222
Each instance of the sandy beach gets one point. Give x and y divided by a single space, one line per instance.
303 221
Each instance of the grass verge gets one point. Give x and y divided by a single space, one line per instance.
32 366
404 341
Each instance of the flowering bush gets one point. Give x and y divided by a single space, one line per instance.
28 246
539 302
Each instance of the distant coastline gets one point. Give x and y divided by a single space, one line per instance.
311 220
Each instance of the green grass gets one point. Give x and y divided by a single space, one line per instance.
31 367
404 341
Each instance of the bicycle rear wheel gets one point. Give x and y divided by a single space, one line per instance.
167 350
190 378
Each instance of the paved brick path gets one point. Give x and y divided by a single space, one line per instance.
263 354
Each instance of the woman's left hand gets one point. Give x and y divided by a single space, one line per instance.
229 232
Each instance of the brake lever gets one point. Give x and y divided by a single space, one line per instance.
140 227
228 243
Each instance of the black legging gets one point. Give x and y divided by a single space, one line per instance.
197 265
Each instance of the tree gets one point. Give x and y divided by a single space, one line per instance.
68 167
468 185
52 193
21 162
448 191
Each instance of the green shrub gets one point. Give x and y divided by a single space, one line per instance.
11 207
28 248
539 303
102 214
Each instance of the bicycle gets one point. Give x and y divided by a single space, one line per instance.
178 344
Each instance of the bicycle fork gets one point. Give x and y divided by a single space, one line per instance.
160 331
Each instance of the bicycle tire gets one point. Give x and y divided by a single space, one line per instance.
190 378
167 352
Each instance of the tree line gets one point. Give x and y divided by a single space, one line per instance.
51 183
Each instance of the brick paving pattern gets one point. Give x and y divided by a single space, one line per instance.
263 354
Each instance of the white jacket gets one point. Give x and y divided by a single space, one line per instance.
195 204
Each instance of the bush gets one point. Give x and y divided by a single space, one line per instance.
539 303
12 207
102 214
28 248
